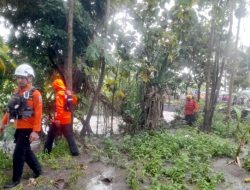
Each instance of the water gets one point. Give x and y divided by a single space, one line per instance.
169 116
97 182
8 146
104 124
102 129
234 175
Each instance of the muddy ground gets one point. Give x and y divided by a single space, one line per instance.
86 172
234 175
80 173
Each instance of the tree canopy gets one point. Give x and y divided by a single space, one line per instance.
146 45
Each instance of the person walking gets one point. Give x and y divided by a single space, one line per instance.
25 107
190 109
63 118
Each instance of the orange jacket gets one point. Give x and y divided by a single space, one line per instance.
191 107
33 122
64 117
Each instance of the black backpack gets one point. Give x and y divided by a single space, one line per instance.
69 106
17 106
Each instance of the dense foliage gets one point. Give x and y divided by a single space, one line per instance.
179 160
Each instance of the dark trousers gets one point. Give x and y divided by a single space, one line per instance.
67 132
190 119
23 153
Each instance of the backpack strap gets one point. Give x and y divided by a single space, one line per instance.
29 94
68 100
22 111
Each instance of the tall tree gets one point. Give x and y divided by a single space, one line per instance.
86 124
240 12
217 58
69 58
39 30
155 56
7 66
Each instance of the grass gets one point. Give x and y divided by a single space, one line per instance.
5 164
163 160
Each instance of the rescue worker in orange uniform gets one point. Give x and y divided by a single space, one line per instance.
25 108
190 110
63 118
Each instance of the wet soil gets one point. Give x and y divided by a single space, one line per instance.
98 175
103 177
86 175
233 175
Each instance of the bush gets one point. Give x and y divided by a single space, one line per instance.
222 128
172 161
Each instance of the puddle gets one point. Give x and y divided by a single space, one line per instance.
234 175
98 182
169 116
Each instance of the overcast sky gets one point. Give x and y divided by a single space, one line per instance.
244 32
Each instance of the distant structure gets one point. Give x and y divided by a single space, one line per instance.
242 98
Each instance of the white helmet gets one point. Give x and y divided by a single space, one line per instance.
24 70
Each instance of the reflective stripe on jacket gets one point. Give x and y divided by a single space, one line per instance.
35 103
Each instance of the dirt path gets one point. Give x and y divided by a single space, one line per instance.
77 173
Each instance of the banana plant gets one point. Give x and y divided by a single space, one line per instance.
7 65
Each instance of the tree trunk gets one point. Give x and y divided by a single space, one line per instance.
218 73
113 97
86 127
98 116
233 71
199 91
207 123
151 107
214 85
69 58
229 102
